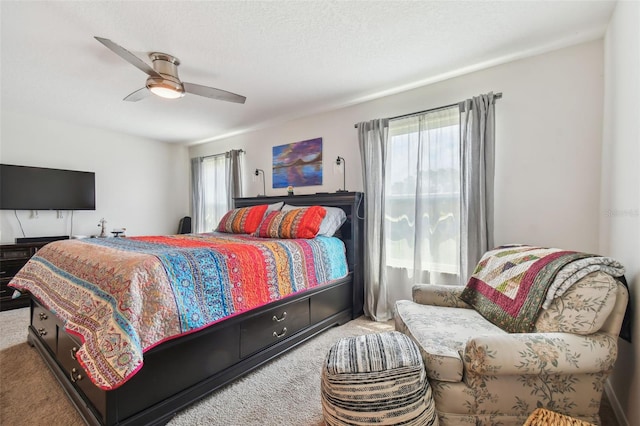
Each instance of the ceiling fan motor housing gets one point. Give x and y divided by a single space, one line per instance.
167 66
163 78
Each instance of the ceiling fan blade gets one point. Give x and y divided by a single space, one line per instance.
137 95
210 92
128 56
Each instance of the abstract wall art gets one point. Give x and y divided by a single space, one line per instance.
298 164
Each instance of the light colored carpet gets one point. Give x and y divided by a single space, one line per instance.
13 327
285 391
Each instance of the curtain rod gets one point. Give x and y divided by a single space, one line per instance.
221 153
495 96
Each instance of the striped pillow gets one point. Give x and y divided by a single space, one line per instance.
298 223
244 220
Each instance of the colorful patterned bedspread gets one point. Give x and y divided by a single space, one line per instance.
123 296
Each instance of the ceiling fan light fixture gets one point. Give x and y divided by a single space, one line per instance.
165 88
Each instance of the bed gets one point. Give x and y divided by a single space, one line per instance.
179 371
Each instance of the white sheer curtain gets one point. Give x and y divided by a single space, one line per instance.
216 180
428 181
422 202
214 187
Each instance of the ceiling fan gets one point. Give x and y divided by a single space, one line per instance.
163 78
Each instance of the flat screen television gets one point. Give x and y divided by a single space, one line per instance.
38 188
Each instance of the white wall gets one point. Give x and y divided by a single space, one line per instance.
620 191
549 127
559 181
141 185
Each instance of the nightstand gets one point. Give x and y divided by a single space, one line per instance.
12 258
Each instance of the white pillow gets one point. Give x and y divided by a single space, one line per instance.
275 207
332 221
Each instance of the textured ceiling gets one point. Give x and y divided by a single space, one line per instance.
289 58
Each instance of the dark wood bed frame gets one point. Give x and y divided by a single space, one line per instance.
184 370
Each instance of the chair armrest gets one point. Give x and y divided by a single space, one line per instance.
439 295
540 353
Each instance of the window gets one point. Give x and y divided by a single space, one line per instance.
214 189
215 181
422 197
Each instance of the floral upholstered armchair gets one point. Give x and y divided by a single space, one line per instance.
482 367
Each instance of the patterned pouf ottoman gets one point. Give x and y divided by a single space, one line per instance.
376 379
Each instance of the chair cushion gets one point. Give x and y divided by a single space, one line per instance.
441 334
583 308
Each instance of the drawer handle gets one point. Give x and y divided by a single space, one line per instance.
3 272
73 353
42 332
276 335
282 318
74 375
43 316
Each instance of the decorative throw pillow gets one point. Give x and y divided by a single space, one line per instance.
298 223
332 221
244 220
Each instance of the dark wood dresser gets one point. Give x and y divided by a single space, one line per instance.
12 258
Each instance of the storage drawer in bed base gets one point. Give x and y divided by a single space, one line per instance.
165 372
179 372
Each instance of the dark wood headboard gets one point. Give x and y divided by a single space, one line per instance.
351 232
